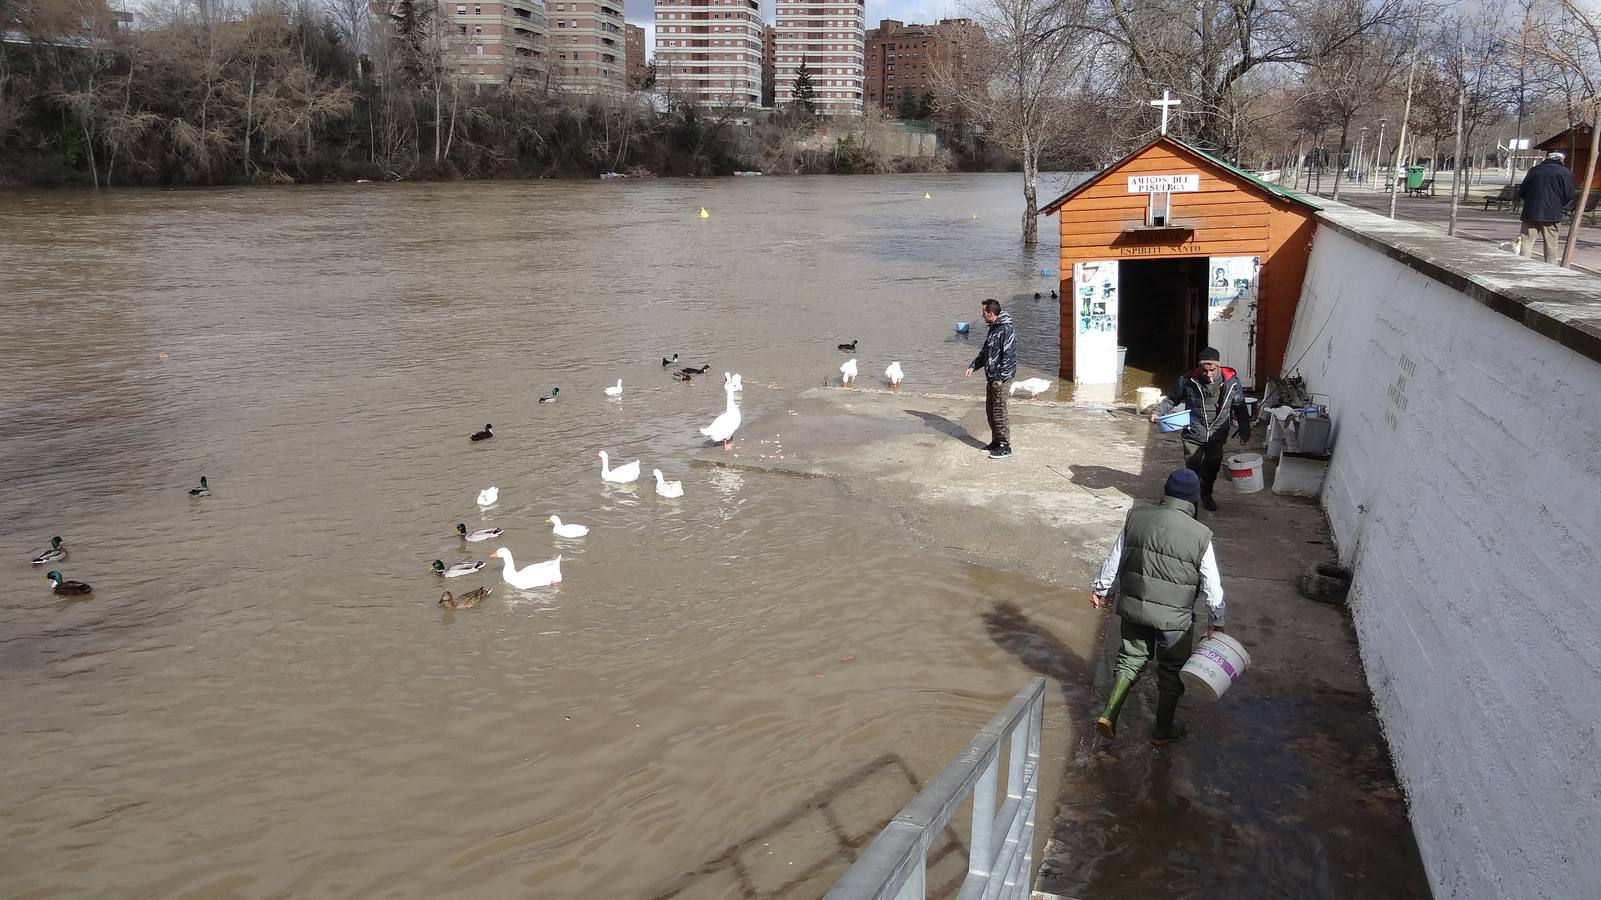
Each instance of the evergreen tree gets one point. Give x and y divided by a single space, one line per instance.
804 92
908 107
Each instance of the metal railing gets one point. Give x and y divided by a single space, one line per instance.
1001 847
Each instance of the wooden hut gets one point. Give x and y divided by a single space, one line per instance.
1575 143
1170 250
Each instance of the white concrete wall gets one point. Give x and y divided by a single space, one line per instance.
1466 490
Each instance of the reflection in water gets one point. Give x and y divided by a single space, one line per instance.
264 697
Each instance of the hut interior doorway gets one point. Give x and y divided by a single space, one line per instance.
1163 322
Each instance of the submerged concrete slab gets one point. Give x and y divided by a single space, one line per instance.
1285 787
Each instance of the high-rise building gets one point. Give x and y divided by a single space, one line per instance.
634 56
709 52
586 45
902 59
828 36
769 53
498 43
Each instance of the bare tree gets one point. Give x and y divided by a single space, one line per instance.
1353 79
1569 36
1033 52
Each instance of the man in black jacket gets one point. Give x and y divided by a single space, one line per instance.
1215 399
998 359
1546 191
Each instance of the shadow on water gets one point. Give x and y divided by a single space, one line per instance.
946 426
746 870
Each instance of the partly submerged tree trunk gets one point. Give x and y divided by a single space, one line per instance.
1031 176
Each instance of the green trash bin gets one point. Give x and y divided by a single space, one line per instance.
1414 177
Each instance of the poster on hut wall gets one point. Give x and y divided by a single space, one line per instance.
1095 341
1231 311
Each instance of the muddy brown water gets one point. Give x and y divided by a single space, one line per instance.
261 697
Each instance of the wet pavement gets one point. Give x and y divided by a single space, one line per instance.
1284 788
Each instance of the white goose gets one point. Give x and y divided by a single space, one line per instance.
488 496
847 372
733 382
894 375
723 427
568 530
537 575
620 475
1034 386
615 390
667 488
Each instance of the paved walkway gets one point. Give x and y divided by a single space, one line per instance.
1474 222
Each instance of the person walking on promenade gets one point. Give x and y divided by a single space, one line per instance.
1215 399
1546 191
1162 565
998 359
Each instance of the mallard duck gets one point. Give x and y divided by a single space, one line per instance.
847 372
733 382
667 362
894 375
669 489
456 570
680 376
54 553
484 435
535 576
203 491
619 475
68 588
615 390
552 398
723 427
1034 386
488 496
566 530
482 534
691 370
851 347
465 601
1053 295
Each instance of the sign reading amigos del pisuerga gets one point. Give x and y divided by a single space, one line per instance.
1184 183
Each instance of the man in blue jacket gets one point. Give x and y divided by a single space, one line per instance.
998 359
1216 401
1546 191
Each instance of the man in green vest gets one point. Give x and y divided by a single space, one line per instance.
1162 564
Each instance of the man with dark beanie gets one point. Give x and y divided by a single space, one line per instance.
1212 394
1161 564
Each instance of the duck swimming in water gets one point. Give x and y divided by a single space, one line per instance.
456 570
680 376
54 553
667 362
466 601
552 398
482 534
691 370
68 588
484 435
203 491
851 347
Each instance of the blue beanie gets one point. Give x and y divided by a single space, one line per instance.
1183 484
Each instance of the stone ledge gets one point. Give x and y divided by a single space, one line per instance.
1561 304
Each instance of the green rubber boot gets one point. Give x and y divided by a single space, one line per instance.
1166 731
1107 723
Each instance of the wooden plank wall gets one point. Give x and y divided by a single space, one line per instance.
1231 217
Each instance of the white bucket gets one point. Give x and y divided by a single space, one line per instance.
1245 471
1146 397
1216 664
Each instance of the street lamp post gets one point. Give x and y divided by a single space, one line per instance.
1378 154
1359 158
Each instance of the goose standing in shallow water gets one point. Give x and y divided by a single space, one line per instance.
482 534
665 488
203 491
537 575
68 588
456 570
894 375
621 474
847 372
723 427
466 601
1034 386
484 435
54 553
566 529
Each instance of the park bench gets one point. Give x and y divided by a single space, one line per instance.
1426 187
1506 197
1589 214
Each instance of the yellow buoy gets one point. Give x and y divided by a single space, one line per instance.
704 214
975 215
927 196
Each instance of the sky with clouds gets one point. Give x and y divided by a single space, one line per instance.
642 13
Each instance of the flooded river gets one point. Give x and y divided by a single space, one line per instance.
262 699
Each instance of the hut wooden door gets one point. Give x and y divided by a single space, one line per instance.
1231 291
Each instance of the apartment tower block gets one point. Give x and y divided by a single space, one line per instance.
828 36
709 52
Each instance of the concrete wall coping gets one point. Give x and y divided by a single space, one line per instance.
1561 304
